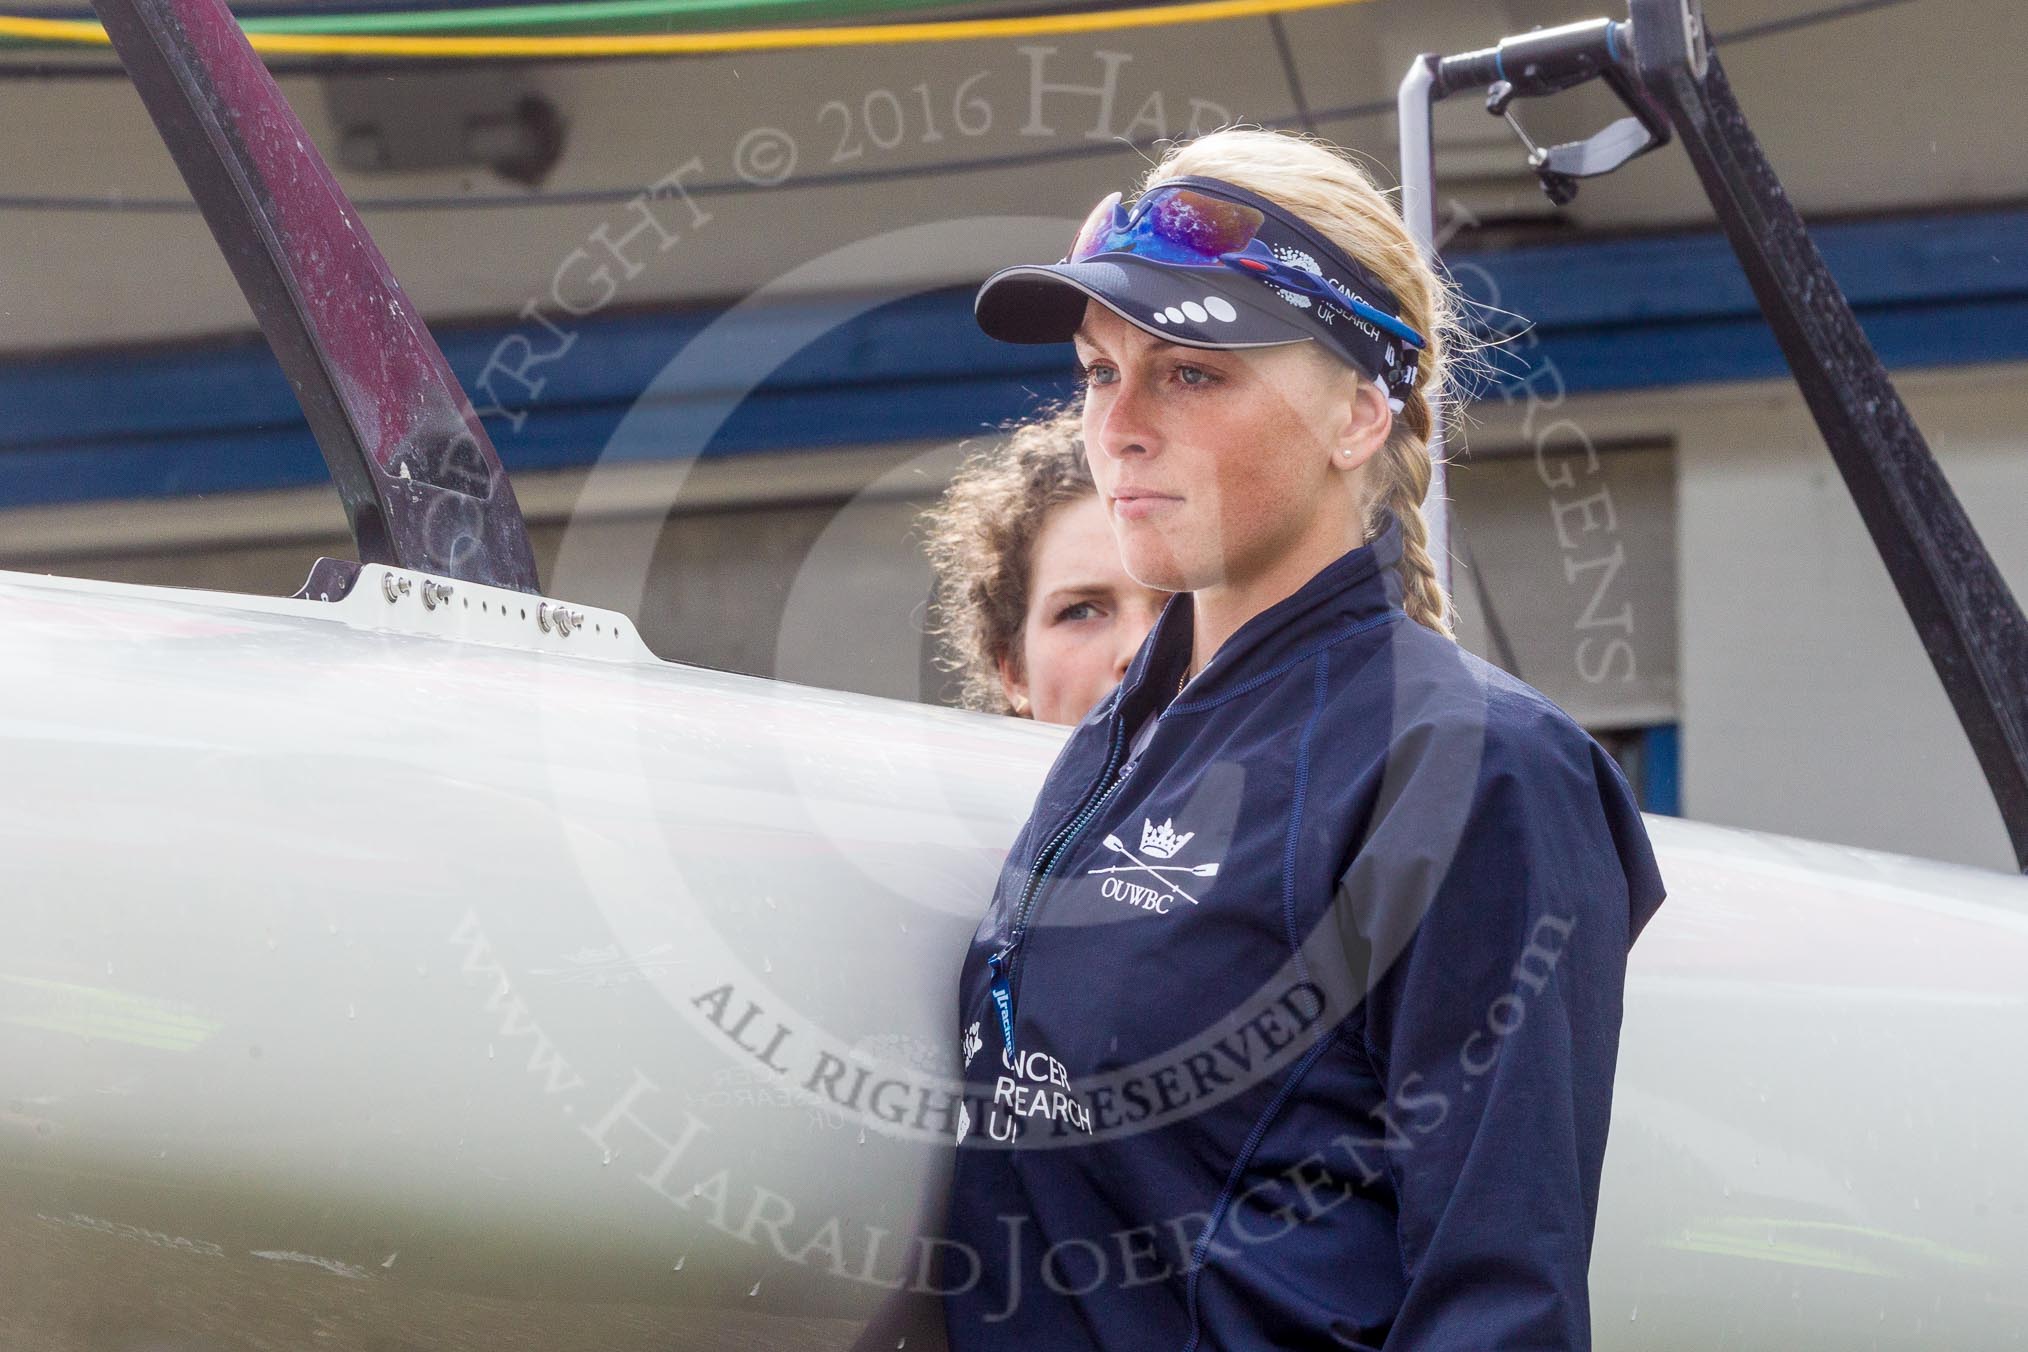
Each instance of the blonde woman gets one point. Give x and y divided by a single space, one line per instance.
1036 613
1292 1022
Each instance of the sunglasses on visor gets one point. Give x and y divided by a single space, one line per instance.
1182 227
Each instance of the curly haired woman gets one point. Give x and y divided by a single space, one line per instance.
1037 615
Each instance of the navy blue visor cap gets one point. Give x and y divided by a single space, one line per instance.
1205 263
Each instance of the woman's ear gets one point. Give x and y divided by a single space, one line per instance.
1367 423
1014 686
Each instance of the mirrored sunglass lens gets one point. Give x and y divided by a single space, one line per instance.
1094 229
1207 226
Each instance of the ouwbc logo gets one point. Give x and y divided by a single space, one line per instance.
1146 886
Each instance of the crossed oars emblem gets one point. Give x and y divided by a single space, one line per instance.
1158 870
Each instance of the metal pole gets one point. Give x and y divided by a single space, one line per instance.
422 484
1963 611
1418 210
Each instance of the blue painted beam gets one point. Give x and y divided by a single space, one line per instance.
1647 311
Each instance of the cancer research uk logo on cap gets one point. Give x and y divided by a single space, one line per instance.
1146 886
1326 312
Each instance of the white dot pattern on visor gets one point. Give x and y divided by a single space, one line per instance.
1198 312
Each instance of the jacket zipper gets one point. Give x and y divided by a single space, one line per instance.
1004 963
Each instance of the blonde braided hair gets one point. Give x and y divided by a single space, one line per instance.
1334 194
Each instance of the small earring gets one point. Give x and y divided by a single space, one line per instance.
1021 708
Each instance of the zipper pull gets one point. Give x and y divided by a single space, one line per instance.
1003 995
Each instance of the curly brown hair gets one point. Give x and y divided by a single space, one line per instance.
980 539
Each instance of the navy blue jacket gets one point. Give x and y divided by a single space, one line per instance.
1313 1008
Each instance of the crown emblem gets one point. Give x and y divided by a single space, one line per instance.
1162 841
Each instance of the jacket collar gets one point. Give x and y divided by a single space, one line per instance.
1360 585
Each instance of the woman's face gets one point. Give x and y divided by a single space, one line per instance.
1214 466
1086 616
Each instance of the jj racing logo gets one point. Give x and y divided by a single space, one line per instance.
1146 886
